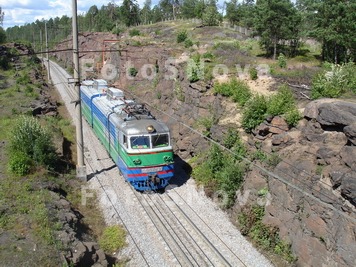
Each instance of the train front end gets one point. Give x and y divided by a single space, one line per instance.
146 161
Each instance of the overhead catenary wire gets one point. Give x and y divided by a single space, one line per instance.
263 169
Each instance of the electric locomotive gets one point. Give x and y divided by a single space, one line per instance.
139 144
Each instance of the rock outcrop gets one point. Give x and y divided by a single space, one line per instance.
313 202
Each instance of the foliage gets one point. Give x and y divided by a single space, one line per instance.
240 13
2 36
133 71
292 117
211 16
222 172
281 102
250 220
238 90
134 32
182 36
188 43
29 139
339 80
274 21
253 73
331 23
254 112
113 239
195 69
20 163
129 12
282 61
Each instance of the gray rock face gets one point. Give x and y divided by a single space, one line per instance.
350 132
337 113
334 113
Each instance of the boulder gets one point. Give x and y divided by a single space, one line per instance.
337 113
348 187
348 155
278 125
281 139
350 132
311 111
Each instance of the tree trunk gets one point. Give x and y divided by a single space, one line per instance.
274 49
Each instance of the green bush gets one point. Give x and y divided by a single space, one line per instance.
254 112
194 69
29 139
20 163
335 81
222 172
238 90
134 32
133 71
292 117
281 102
113 239
182 36
253 73
24 79
282 61
188 43
250 220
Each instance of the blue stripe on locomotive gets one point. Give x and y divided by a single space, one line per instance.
138 181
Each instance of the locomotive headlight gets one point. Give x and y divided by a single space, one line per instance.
137 161
150 129
167 158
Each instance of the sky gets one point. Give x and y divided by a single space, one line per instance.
20 12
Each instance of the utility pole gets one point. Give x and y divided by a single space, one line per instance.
48 70
81 170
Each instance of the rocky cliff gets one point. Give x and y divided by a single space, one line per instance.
311 191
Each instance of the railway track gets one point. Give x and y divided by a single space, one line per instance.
163 229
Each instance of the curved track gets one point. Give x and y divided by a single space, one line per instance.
165 229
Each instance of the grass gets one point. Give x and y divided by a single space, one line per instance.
28 217
250 222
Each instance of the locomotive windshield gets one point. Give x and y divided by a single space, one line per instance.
144 141
160 140
140 142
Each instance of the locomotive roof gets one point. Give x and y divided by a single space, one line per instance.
130 117
140 127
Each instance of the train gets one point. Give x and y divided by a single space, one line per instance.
139 144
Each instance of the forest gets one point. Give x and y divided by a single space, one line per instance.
280 24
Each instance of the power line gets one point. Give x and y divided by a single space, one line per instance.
263 169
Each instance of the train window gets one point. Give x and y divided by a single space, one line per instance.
160 140
140 142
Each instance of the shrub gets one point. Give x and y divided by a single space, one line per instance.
253 73
30 139
133 71
282 61
182 36
222 172
112 239
254 112
281 102
238 90
188 43
195 71
134 32
334 82
250 220
208 55
292 117
20 163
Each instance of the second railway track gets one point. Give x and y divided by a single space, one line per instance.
163 229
